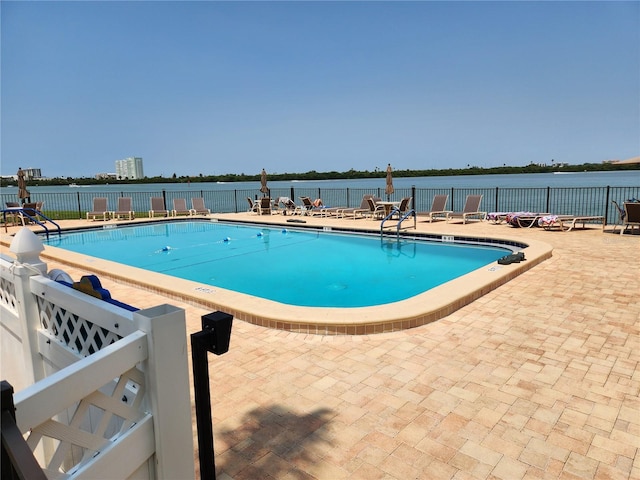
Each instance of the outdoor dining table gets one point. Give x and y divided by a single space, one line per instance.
388 206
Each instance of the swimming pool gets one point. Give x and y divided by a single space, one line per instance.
429 306
290 266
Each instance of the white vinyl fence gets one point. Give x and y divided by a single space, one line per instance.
101 391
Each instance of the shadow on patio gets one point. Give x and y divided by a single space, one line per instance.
272 442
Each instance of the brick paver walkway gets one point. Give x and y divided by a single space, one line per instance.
537 379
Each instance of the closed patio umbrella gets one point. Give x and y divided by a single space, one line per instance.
23 193
263 183
389 188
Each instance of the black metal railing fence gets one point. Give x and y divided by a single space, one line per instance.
554 200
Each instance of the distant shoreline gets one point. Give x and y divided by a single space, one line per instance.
348 175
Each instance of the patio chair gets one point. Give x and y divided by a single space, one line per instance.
264 206
375 211
157 207
438 208
355 211
631 217
12 214
471 209
404 207
180 208
100 209
124 209
253 206
198 207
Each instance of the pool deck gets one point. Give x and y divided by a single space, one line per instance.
536 379
418 310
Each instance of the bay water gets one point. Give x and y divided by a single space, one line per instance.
580 193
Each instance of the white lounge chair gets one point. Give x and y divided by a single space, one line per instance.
100 209
158 208
438 208
567 223
198 207
180 208
290 206
124 209
355 211
471 209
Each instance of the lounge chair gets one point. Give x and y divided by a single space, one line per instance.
438 208
290 206
318 207
180 208
310 207
355 211
329 211
567 223
471 209
124 209
100 209
497 217
158 208
524 219
198 207
264 206
631 217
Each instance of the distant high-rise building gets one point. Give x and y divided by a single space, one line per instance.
31 173
129 169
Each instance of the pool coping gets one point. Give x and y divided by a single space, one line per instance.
421 309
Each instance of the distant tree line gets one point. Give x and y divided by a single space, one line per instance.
333 175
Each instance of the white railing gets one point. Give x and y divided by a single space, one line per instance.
101 391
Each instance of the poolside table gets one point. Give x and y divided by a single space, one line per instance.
387 206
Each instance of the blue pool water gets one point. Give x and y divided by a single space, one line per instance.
295 267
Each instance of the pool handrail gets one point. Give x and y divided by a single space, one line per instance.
401 218
33 216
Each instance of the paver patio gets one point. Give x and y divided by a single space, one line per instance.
537 379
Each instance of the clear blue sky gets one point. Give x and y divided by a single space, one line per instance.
232 87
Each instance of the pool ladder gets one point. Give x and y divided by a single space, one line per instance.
33 216
402 218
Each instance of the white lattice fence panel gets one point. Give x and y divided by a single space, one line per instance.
79 334
8 295
96 421
74 433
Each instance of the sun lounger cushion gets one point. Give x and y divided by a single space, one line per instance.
90 285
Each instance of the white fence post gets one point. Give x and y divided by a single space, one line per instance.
167 371
27 247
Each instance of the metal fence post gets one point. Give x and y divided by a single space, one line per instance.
606 204
548 199
214 337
